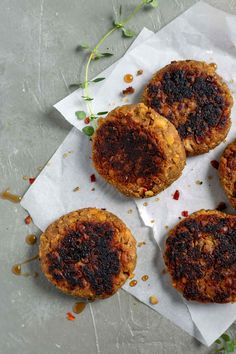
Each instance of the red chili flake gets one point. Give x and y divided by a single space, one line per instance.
176 195
87 120
215 164
93 178
128 91
184 213
221 206
31 180
28 220
70 317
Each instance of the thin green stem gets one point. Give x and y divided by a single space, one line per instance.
218 350
93 52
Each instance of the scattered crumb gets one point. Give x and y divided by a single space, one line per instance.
93 178
176 195
103 209
25 178
76 189
198 182
184 213
224 141
210 177
153 300
31 180
152 221
130 211
66 154
139 72
166 227
215 164
87 120
70 317
132 275
128 91
145 204
221 206
157 199
28 220
179 218
141 243
93 189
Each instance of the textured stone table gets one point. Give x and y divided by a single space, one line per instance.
37 63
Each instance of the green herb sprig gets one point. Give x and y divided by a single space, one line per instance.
226 344
95 54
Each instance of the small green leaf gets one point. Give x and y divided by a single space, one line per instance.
128 33
218 341
118 24
86 98
102 113
79 85
153 3
98 79
74 86
229 347
80 115
107 54
83 46
88 130
226 337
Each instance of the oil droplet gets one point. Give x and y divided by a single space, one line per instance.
133 283
79 307
16 269
128 78
10 197
31 239
145 277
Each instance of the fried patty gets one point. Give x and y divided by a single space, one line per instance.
138 151
227 172
88 253
200 256
192 96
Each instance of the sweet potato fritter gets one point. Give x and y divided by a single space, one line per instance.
192 96
200 256
227 172
138 151
88 253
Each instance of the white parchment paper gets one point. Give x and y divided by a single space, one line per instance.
202 33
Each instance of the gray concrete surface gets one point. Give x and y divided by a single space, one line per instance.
37 63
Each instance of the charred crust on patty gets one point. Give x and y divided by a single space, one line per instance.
88 253
227 172
137 151
195 99
200 256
